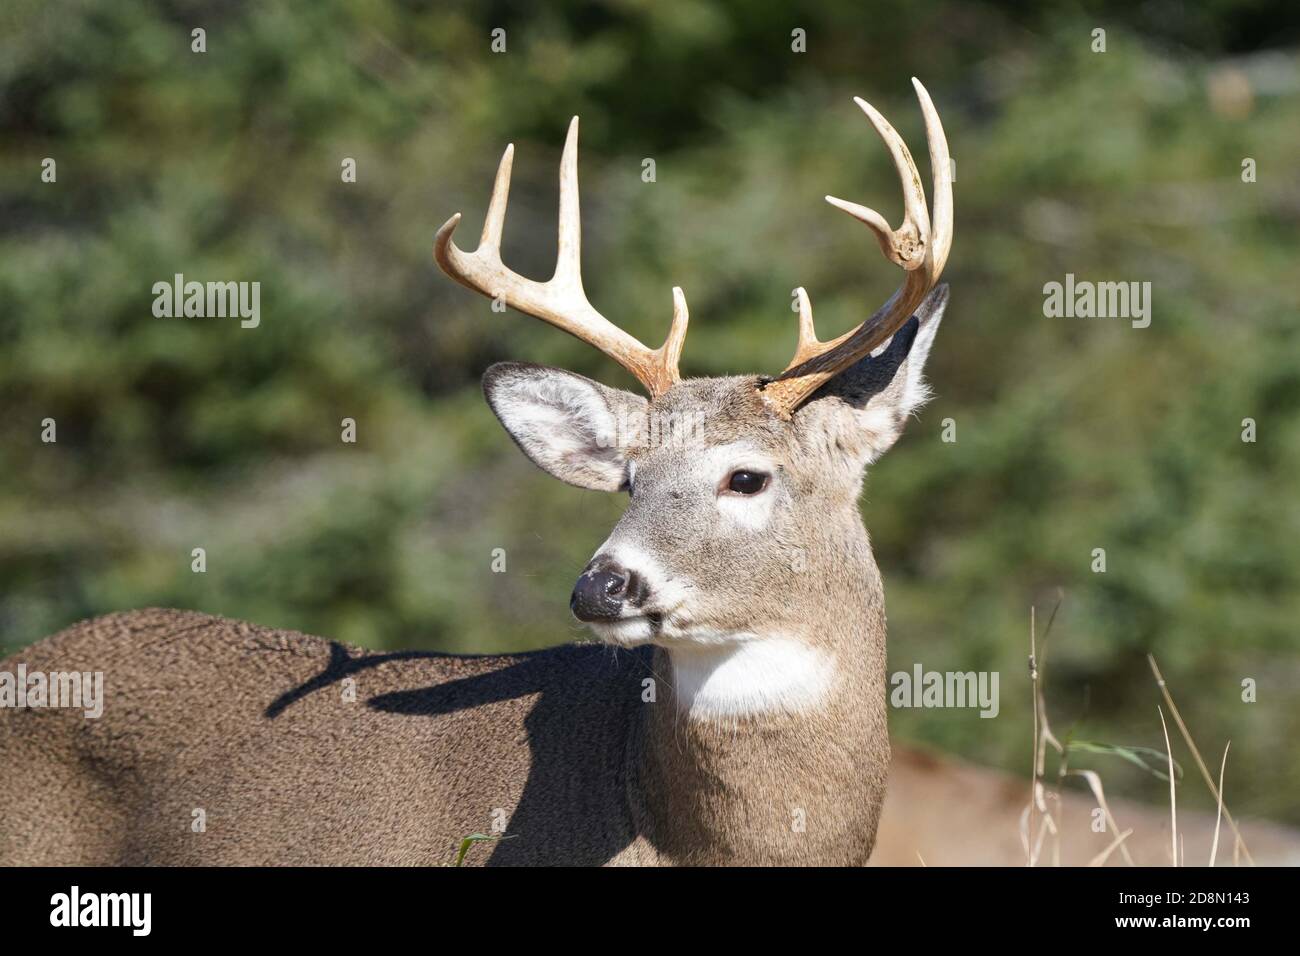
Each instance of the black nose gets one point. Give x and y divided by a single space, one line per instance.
601 592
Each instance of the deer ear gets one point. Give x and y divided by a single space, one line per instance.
571 427
863 410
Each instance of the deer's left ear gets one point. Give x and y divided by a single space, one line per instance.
863 410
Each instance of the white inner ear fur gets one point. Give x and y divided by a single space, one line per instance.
914 391
879 424
564 425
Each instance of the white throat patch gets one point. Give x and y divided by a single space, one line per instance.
752 675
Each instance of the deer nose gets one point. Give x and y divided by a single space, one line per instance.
601 592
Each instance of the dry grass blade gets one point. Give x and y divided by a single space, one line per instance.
1214 847
1042 734
1094 783
1033 770
1173 797
1196 755
1101 858
1033 850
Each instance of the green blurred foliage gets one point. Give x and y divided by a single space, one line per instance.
1072 434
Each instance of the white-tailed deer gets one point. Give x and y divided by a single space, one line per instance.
740 720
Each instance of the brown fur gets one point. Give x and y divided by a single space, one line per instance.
250 724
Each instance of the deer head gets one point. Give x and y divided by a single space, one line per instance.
743 518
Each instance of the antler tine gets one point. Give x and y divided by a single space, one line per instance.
560 301
495 221
920 246
568 252
808 346
941 172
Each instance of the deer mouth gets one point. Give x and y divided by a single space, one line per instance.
630 631
666 628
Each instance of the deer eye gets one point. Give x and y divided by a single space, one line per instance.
743 482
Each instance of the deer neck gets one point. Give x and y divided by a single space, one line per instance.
772 747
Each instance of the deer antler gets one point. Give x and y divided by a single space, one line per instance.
560 301
920 246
